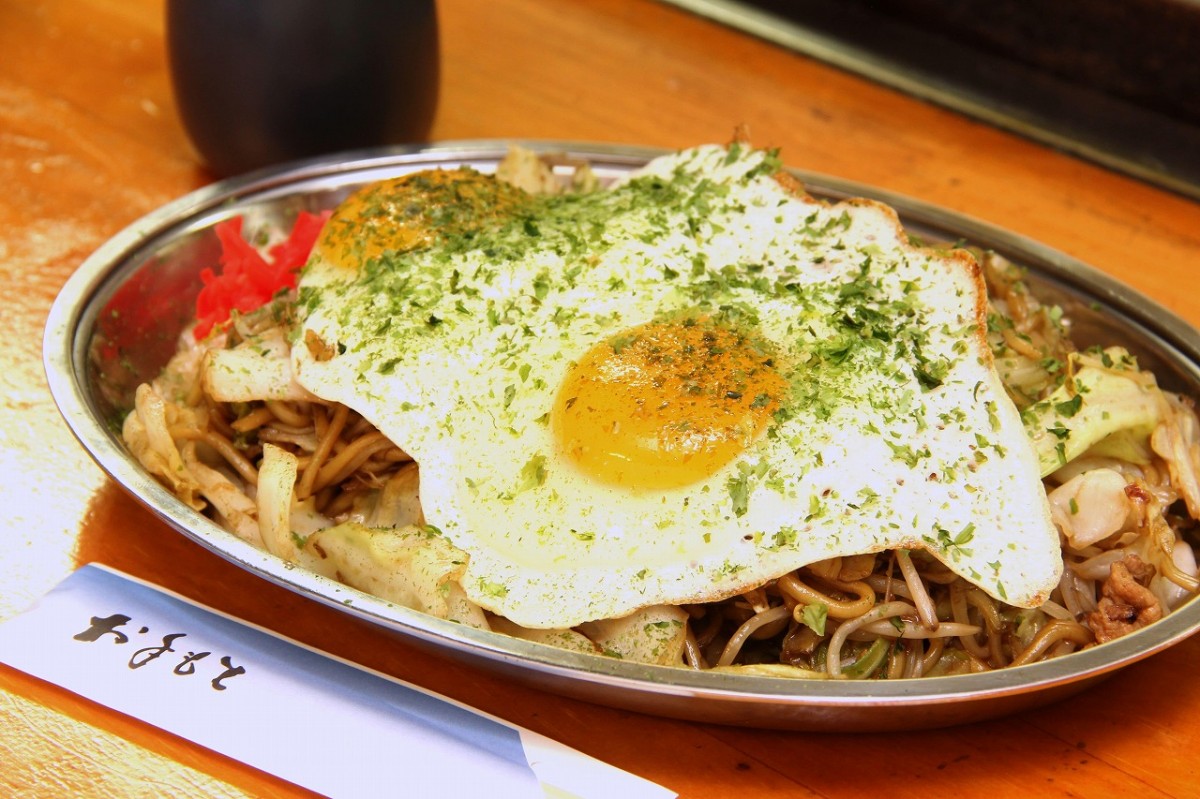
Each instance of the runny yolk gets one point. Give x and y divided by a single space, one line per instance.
666 404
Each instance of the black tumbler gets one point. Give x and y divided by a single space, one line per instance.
260 82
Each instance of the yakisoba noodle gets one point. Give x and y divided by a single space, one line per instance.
276 465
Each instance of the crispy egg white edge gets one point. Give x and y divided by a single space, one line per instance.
730 562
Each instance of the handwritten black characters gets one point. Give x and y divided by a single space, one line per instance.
108 625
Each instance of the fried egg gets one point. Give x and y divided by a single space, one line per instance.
674 389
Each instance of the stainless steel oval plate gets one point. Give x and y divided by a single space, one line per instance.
117 320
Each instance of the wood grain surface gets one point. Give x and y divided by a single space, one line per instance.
90 140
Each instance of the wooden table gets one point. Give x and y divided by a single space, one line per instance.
90 141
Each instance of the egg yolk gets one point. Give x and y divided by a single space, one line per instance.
666 404
413 211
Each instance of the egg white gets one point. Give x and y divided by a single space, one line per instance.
900 438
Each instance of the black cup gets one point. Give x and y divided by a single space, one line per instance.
260 82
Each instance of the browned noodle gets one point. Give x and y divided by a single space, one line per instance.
284 413
328 438
253 420
1054 632
224 447
353 455
805 594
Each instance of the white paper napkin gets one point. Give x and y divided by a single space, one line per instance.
318 721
